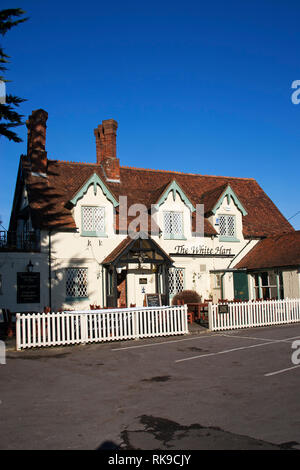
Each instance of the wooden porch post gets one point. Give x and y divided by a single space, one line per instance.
165 273
115 288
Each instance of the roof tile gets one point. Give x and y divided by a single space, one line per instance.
49 197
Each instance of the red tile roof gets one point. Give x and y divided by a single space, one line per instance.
116 252
210 198
277 251
49 197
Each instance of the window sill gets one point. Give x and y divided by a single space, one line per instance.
222 238
75 299
174 237
94 234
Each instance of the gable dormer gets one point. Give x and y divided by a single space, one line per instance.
174 212
93 208
227 216
229 194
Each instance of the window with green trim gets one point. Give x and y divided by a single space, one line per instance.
173 225
93 220
227 227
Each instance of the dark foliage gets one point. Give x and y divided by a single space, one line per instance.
9 117
186 296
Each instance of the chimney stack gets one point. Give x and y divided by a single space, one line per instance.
106 149
36 140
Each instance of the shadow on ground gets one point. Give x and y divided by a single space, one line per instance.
161 434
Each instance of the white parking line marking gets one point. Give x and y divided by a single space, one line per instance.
261 339
281 371
163 342
223 352
234 349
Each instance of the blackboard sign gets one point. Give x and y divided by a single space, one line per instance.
223 308
28 288
153 300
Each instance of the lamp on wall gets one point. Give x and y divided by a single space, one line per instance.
29 267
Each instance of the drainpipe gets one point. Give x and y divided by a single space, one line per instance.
49 270
102 287
222 287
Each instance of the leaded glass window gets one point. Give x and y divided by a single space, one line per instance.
76 282
173 225
93 220
227 225
176 281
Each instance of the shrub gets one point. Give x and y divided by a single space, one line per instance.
187 296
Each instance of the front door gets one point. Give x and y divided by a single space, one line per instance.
144 284
240 285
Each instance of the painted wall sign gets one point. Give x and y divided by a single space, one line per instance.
99 242
28 288
202 250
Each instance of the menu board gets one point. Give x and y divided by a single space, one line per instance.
28 288
223 308
153 300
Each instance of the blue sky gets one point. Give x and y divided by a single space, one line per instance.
199 87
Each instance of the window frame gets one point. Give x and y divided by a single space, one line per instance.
218 281
261 288
174 236
227 238
76 297
93 233
176 269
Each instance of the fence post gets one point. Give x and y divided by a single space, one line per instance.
18 331
2 352
210 317
135 325
185 310
83 328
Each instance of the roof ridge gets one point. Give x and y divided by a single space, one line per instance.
152 169
71 162
183 173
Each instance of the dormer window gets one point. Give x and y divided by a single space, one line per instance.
227 227
93 221
173 225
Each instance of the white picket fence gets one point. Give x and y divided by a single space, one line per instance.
254 313
62 328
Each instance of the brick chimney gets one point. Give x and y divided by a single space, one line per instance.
36 140
106 149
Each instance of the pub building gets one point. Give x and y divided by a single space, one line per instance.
68 245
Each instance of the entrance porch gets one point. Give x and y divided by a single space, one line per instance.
136 267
